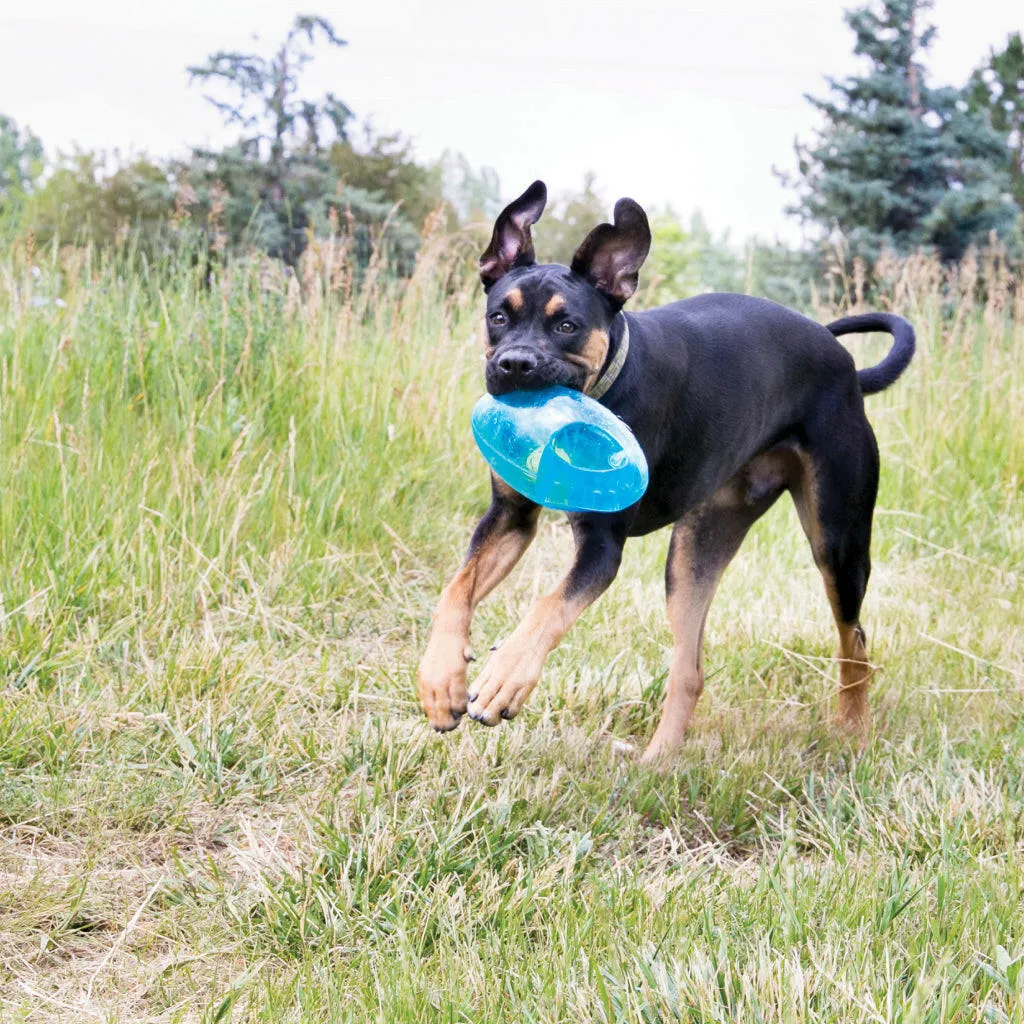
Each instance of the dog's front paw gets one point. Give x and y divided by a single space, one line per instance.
506 681
659 752
442 683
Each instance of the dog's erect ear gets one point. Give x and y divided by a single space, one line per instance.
511 244
612 254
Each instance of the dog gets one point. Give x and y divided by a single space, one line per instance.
733 399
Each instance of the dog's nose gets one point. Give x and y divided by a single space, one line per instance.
517 364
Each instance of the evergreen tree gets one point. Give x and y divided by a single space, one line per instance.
384 165
277 125
261 188
997 88
277 182
900 163
21 164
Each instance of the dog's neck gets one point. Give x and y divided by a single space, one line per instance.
616 359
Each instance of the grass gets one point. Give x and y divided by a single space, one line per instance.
226 515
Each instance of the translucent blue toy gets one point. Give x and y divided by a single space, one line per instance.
561 449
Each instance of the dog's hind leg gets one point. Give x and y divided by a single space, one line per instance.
702 546
497 544
835 498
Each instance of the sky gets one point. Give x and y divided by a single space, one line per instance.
672 102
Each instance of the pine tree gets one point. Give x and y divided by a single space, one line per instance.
270 180
901 164
21 161
997 89
278 182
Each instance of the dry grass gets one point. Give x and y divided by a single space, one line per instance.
227 514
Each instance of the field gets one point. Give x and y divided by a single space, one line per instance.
226 515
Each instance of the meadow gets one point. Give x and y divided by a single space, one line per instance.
227 512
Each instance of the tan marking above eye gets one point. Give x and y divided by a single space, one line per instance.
515 299
554 305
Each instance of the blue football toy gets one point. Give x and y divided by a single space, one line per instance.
561 449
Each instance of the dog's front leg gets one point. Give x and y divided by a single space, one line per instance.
499 540
513 669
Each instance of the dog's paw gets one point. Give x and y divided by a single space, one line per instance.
442 684
661 752
506 681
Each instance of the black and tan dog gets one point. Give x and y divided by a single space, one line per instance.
733 399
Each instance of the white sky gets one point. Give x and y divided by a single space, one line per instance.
669 101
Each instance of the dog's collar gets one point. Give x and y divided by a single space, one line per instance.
614 368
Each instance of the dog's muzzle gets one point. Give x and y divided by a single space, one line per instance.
519 368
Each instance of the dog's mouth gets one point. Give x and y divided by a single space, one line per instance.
544 374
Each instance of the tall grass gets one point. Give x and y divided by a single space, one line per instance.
228 505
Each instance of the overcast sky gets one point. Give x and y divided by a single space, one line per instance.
668 101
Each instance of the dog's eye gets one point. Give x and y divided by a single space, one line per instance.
566 327
498 319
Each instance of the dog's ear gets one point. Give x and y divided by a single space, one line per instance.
612 254
511 244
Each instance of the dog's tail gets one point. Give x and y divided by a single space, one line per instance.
878 378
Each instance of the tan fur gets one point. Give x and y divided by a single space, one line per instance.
515 299
855 669
442 671
591 356
687 612
805 497
554 305
512 671
703 544
855 673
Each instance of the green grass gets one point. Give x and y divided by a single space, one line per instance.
226 516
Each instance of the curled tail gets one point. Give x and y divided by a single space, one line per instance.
878 378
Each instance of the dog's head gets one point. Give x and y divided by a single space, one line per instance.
548 324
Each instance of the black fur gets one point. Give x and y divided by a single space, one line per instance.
733 399
709 383
878 378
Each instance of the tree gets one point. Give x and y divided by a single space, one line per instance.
474 195
997 89
568 220
264 102
673 268
21 164
384 165
898 163
264 185
277 182
83 199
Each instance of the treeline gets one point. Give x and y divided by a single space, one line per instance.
300 167
899 165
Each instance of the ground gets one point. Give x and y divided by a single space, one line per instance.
227 515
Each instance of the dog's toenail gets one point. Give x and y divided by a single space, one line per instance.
506 714
472 697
